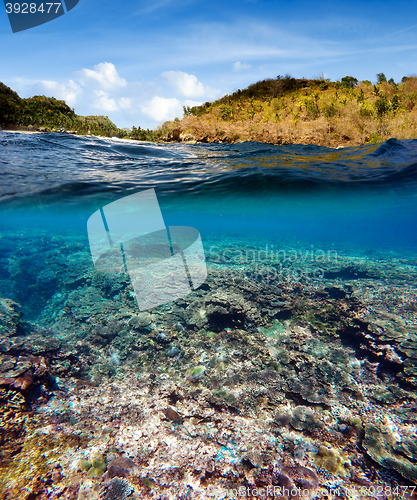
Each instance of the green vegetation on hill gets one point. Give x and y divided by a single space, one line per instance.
49 113
145 135
286 110
52 114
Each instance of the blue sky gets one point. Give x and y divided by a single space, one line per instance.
139 62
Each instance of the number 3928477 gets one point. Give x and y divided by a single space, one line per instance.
32 8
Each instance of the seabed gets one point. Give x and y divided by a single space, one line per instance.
304 385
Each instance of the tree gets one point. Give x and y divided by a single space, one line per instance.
349 81
381 106
381 78
395 102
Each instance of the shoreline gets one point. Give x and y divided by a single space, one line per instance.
23 131
30 132
182 139
27 131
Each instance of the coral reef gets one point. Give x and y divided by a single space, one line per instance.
246 382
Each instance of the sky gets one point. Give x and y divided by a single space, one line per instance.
139 62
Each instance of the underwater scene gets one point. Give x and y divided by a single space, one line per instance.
207 321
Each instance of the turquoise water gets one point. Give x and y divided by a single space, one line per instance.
364 195
354 201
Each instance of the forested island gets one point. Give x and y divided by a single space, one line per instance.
287 110
283 110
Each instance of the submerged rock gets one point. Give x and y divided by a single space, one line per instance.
303 418
390 451
332 460
161 337
173 415
121 467
222 309
10 318
174 351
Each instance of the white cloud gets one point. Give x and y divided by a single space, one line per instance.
105 74
191 103
66 91
162 108
125 103
147 102
188 85
238 66
104 102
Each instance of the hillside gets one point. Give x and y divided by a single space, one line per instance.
286 110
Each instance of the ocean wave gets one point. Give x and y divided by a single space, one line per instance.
60 165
